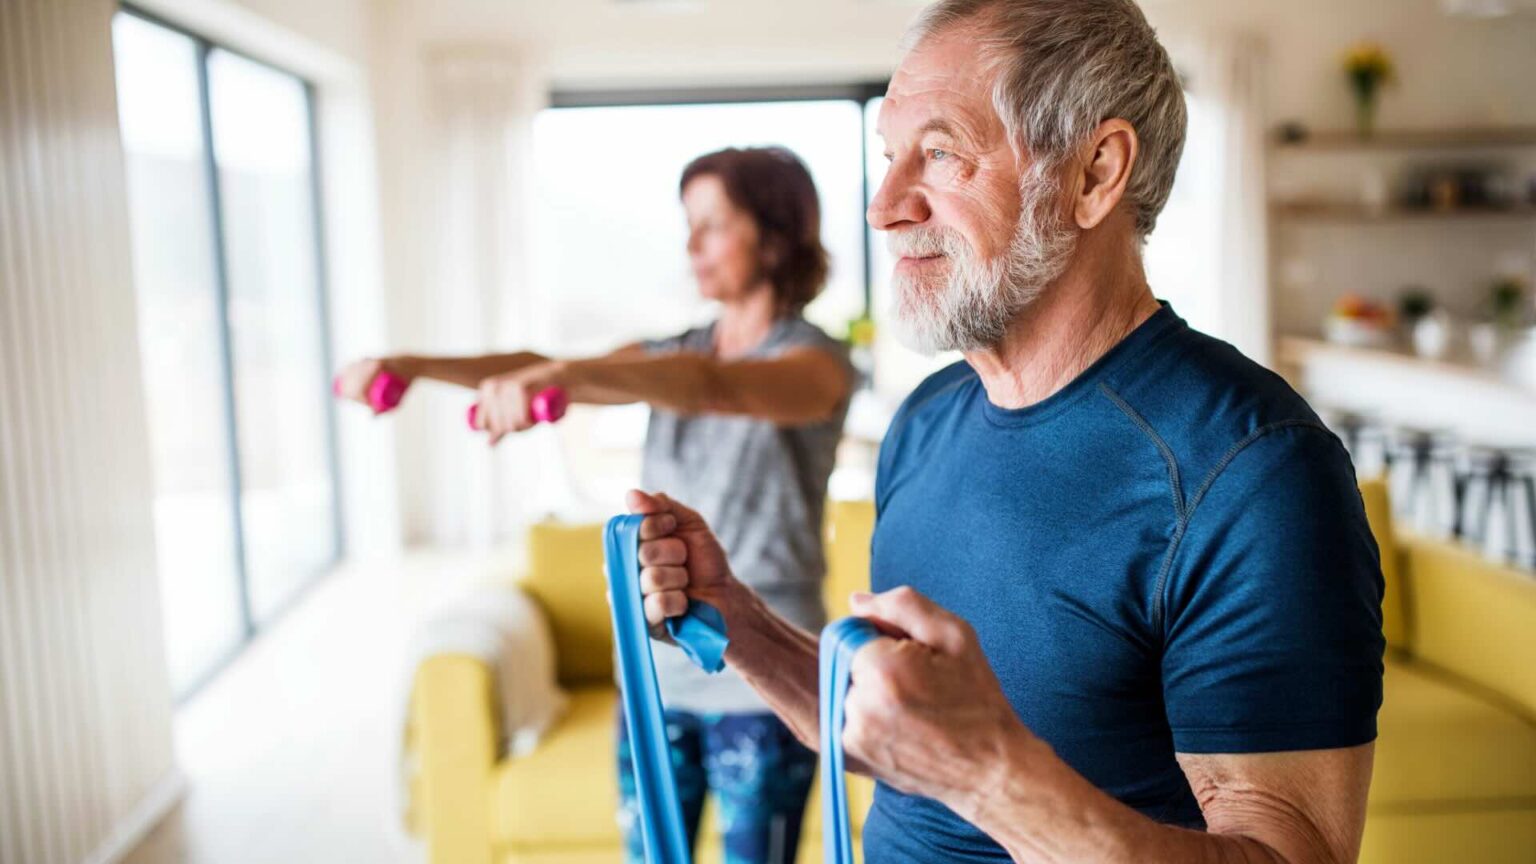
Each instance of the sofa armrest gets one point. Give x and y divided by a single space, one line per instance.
453 716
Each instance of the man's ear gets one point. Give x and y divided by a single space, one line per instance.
1108 159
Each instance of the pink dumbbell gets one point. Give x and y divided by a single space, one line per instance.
548 406
384 392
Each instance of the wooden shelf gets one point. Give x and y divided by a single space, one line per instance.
1401 389
1343 212
1471 137
1297 350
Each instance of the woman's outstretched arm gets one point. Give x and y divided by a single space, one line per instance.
798 387
463 371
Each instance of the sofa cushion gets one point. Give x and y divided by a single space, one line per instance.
565 792
565 575
1442 745
1461 836
563 797
1474 618
1395 614
849 527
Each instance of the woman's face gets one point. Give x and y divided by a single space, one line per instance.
722 242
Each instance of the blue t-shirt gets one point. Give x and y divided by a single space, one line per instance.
1169 555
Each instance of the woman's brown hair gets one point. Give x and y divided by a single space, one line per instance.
772 186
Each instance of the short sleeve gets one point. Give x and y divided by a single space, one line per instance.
801 334
1271 608
666 344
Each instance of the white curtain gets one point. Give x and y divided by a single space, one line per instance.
1209 255
1236 86
474 226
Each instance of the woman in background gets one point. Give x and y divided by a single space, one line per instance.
746 416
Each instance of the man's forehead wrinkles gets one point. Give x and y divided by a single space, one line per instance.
950 119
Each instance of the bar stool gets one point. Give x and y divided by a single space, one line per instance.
1498 512
1421 472
1523 476
1364 437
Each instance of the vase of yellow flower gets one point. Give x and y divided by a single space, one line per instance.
1369 67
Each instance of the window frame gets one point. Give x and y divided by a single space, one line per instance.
204 46
860 93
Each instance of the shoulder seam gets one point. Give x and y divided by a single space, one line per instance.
1159 602
1241 445
1162 447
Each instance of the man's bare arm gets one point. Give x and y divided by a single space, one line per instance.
1267 808
927 715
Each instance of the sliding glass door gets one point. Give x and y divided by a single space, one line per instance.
262 146
226 248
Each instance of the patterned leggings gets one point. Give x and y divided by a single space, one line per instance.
759 774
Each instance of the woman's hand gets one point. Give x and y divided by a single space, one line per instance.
680 558
506 400
354 378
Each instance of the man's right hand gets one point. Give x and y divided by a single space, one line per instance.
680 558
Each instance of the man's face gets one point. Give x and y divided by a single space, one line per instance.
976 234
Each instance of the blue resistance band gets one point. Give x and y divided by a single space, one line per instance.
700 632
840 640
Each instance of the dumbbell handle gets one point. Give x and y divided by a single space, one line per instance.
547 406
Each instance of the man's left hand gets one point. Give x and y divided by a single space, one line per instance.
925 713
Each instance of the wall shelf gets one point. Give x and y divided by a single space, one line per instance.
1470 137
1323 211
1477 404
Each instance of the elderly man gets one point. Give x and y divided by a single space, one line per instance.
1163 637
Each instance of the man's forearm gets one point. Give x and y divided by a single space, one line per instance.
1043 812
778 659
463 371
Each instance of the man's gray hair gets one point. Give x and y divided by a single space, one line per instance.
1065 66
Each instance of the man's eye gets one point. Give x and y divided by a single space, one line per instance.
936 154
889 156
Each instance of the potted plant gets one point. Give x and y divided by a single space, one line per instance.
1509 313
1368 67
1429 328
1359 322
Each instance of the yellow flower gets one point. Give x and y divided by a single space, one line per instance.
1370 61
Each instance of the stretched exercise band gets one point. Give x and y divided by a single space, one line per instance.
840 640
700 632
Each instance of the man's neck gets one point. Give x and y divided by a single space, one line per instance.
1074 322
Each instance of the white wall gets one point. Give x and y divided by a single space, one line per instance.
1453 71
85 706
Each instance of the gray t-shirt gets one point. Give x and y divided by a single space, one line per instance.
762 488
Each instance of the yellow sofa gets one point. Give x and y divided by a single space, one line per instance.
1455 777
1455 767
557 805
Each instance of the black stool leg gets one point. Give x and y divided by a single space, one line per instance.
1528 484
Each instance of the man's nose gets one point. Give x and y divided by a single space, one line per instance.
898 201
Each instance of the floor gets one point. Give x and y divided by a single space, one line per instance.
289 753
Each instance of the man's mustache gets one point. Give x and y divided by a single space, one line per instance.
927 242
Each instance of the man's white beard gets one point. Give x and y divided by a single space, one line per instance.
971 309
